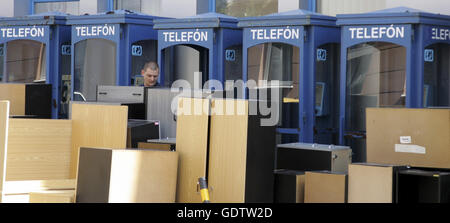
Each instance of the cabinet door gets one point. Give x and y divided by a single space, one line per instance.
191 145
4 114
228 151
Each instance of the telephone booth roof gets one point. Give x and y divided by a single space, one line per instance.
399 15
48 18
206 20
117 16
295 18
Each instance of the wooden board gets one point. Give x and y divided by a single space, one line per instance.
370 183
300 189
59 196
160 146
15 93
27 186
427 133
228 151
19 191
191 145
143 176
38 149
325 187
97 126
126 176
4 113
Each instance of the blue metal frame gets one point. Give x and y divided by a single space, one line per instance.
222 32
212 5
312 5
417 26
315 30
128 29
56 33
31 11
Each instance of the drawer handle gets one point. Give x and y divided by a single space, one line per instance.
102 93
136 94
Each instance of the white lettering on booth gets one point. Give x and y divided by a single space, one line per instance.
186 36
377 32
440 34
95 30
22 32
275 34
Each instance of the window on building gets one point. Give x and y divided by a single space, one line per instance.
246 8
65 6
144 6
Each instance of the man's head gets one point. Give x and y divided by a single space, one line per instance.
150 73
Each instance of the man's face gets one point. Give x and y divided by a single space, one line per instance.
150 77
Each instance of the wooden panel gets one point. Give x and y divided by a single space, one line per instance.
228 151
15 93
38 149
160 146
19 191
60 196
97 126
325 187
4 112
191 145
27 186
93 176
370 183
15 198
427 129
300 189
126 176
143 176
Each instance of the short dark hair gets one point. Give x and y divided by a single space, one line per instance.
152 65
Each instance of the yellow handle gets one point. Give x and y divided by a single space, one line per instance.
204 194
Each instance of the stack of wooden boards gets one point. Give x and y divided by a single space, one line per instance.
41 156
84 159
408 161
409 152
219 139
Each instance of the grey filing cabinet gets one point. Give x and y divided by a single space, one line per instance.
307 156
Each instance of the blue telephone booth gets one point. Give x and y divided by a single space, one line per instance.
110 49
396 57
209 43
296 54
36 49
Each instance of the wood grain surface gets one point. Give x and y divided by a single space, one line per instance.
97 126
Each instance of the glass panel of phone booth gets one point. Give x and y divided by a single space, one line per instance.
183 61
142 52
95 64
25 61
376 77
277 61
437 76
